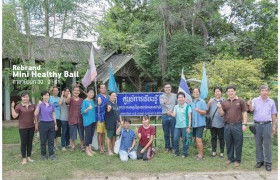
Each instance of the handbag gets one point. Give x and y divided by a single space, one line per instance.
118 144
252 129
209 120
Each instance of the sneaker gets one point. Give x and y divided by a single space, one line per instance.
176 155
222 155
55 148
213 154
44 157
64 149
228 162
166 150
236 164
52 157
259 165
268 167
29 159
183 156
24 161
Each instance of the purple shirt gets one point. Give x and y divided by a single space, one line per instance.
45 113
263 109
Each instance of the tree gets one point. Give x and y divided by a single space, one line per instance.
150 29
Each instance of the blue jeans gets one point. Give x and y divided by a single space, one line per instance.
65 136
177 133
124 155
168 126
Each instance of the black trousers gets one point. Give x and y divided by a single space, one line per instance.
140 155
47 133
89 132
217 133
26 139
234 141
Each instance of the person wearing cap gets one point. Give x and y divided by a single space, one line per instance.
264 111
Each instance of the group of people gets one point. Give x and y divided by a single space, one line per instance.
69 115
228 122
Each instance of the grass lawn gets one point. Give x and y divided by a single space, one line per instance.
77 164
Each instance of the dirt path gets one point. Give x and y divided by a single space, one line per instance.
225 175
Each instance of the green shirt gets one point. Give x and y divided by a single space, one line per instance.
182 119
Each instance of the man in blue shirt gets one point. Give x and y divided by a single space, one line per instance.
127 141
199 108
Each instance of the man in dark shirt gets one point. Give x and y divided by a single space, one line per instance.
234 109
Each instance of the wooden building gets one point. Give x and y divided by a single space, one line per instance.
77 53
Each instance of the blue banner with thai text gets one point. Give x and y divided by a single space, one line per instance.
139 104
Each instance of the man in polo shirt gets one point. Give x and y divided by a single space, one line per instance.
265 122
168 101
234 109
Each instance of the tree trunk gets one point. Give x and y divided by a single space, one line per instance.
47 35
163 54
46 9
63 25
26 27
30 55
193 24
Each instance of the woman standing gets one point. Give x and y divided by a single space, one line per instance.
89 119
183 113
25 113
112 117
217 129
47 125
54 100
65 135
199 108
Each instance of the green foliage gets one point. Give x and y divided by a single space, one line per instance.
253 34
191 52
246 75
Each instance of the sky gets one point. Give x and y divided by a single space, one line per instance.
225 11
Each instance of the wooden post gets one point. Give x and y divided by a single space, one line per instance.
156 133
74 79
7 102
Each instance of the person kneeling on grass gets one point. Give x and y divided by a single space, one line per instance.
127 142
146 134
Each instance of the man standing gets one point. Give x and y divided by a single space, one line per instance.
233 109
265 123
168 101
